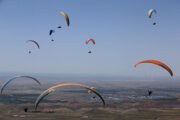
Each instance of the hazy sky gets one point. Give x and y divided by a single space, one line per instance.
122 30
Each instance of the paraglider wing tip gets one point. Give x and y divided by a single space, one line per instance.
1 92
171 74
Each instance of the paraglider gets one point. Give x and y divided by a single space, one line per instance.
150 12
161 64
25 109
27 77
87 42
89 52
52 40
51 31
29 52
53 88
34 42
66 17
59 27
149 92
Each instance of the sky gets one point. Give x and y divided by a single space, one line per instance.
122 30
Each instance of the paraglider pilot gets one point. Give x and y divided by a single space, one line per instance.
89 52
149 92
25 109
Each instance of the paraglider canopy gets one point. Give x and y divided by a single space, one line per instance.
34 43
18 77
161 64
93 41
150 12
53 88
51 31
66 17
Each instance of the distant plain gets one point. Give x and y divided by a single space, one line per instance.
126 99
